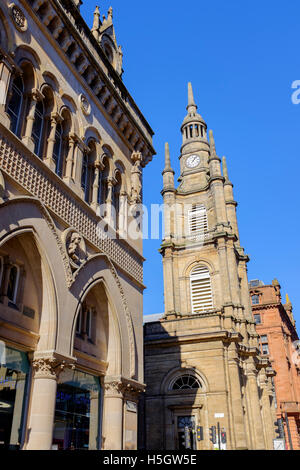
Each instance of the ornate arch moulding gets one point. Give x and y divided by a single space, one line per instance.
128 317
51 225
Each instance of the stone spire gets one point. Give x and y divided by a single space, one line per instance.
212 144
168 173
191 107
167 158
193 126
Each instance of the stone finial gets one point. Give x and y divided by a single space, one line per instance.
96 22
225 169
191 107
110 13
78 3
288 302
167 157
212 143
275 283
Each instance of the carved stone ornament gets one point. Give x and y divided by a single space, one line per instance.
114 389
75 247
18 18
47 368
84 105
136 177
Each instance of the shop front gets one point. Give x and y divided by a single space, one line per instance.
14 378
78 410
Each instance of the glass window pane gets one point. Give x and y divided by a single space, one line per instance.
14 105
257 319
13 284
38 127
14 369
76 424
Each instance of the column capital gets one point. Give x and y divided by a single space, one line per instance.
50 366
121 387
36 95
55 118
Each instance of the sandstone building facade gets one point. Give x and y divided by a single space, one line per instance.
279 342
73 145
203 367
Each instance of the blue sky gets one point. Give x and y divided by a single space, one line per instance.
242 58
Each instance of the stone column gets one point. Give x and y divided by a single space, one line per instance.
239 432
169 282
77 168
113 421
54 120
256 424
5 76
94 420
42 409
123 214
96 185
222 252
70 158
27 139
268 421
15 436
110 210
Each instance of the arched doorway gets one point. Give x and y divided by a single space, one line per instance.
23 295
79 398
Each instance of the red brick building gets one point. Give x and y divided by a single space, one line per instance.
280 342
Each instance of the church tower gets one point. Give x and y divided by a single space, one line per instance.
202 363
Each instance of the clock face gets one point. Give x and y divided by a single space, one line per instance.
192 161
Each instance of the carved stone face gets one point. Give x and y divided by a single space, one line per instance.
74 247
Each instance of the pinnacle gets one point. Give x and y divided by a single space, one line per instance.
191 107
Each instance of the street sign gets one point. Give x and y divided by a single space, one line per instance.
279 444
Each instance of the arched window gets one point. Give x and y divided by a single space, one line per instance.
116 202
14 106
186 382
197 220
85 322
103 187
85 183
13 283
62 142
37 129
79 322
201 292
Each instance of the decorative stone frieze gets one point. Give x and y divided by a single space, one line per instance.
84 105
136 174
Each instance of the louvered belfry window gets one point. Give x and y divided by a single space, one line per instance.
201 293
197 219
